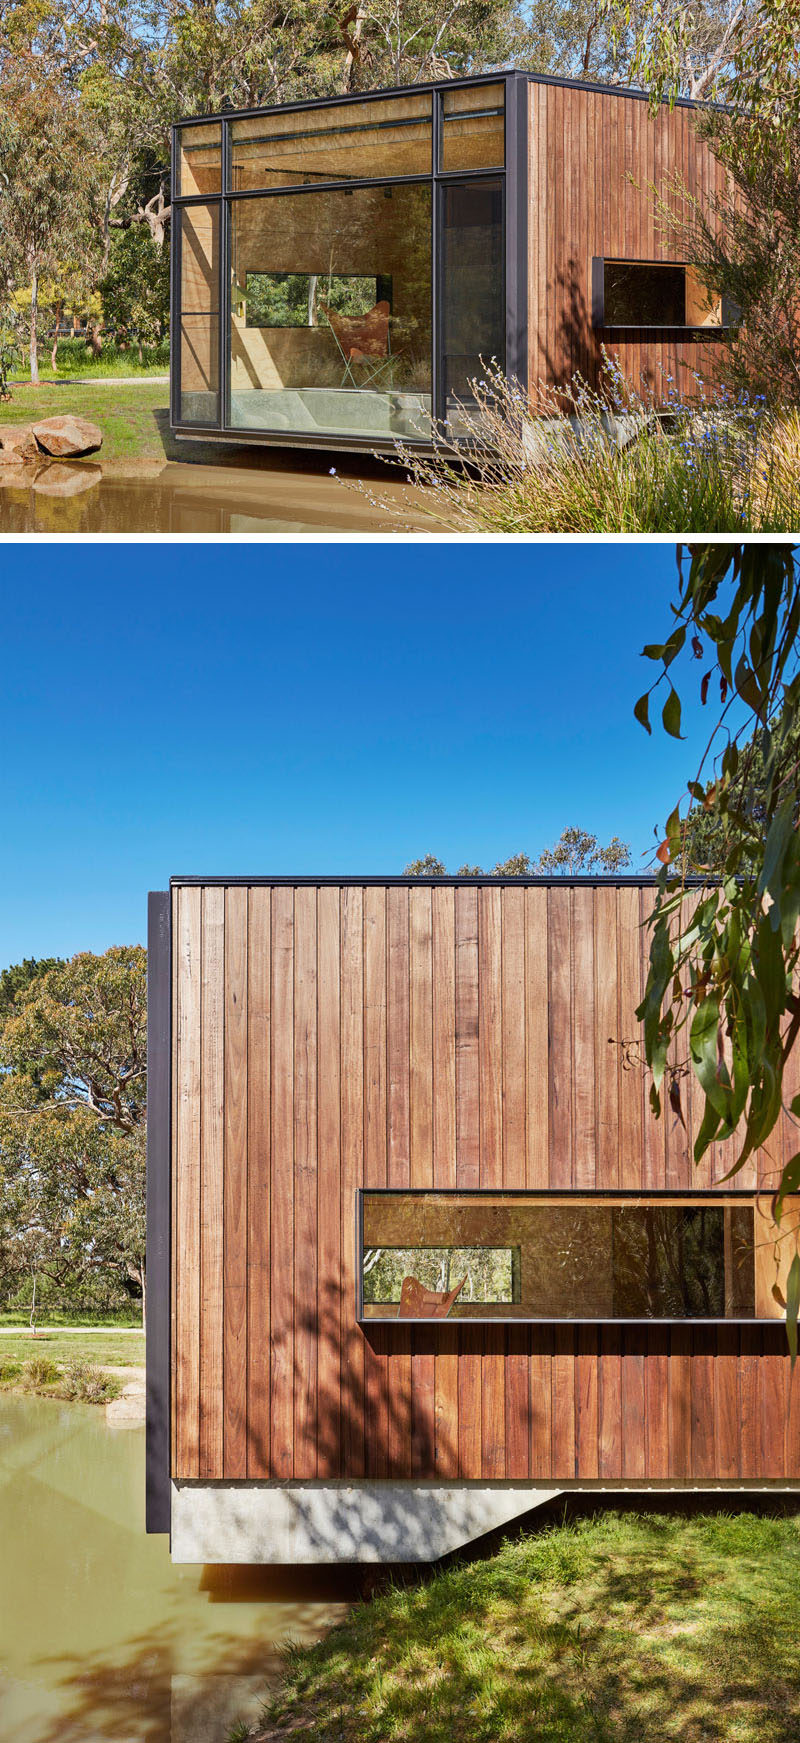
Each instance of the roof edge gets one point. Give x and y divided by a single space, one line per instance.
379 91
371 881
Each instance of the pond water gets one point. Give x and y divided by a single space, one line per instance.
100 1636
262 493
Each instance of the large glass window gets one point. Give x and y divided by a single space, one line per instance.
352 141
200 159
473 292
473 127
331 312
199 314
546 1257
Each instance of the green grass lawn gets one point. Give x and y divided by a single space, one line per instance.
104 1348
134 418
624 1628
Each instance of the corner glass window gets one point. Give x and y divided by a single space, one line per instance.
198 359
640 293
348 141
199 160
331 312
473 128
473 293
528 1256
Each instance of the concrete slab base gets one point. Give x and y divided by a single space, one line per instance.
366 1521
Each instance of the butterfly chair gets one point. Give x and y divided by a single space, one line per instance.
362 339
417 1302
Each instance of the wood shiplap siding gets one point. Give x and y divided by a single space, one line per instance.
331 1037
596 158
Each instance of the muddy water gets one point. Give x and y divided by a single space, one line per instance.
265 493
100 1636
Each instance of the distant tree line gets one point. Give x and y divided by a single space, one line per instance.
73 1087
575 853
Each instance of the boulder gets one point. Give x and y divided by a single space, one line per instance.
67 437
17 442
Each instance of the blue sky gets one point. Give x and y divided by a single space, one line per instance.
314 709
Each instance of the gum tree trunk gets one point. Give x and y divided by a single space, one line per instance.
34 339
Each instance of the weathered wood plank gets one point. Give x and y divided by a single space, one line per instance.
235 1235
353 1111
512 1054
333 1298
187 1185
468 1143
490 1025
282 1173
259 1193
212 1166
444 1037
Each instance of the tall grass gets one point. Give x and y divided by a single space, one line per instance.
579 460
74 359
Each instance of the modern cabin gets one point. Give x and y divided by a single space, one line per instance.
419 1255
343 270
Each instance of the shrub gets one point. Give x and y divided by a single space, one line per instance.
10 1371
586 461
87 1383
39 1371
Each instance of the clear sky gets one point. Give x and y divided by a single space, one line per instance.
258 709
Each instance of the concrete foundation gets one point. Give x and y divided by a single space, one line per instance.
367 1521
379 1520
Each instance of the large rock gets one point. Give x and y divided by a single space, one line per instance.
17 442
67 436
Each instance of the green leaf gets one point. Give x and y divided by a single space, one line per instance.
792 1304
653 651
790 1183
671 715
641 711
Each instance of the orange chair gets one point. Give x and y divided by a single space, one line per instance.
361 339
417 1302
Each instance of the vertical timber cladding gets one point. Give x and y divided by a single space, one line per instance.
328 1037
595 159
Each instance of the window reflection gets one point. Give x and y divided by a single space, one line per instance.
526 1256
331 312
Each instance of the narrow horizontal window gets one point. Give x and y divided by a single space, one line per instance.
348 141
587 1257
647 293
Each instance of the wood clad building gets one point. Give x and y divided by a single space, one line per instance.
356 1080
345 270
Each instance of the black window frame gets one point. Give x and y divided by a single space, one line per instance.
641 329
652 1195
514 176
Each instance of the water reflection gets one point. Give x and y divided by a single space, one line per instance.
100 1636
259 494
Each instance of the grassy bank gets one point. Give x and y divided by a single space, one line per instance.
134 418
107 1348
614 1629
75 1380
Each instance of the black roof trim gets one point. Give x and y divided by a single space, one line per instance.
493 78
634 881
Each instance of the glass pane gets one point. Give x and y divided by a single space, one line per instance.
200 160
199 310
644 294
473 132
487 1255
379 137
331 312
473 293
